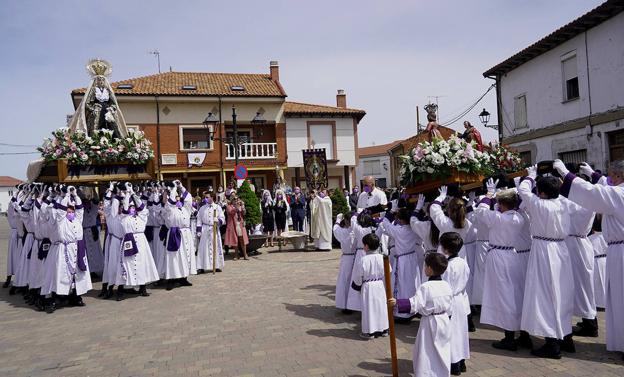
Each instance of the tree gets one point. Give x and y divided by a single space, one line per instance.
339 203
252 204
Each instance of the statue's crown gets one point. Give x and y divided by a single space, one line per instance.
99 67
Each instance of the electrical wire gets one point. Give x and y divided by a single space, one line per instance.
14 153
463 113
18 145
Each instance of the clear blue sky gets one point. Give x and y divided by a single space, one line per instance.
388 55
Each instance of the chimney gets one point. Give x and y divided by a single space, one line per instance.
274 69
341 99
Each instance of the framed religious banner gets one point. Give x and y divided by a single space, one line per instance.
315 167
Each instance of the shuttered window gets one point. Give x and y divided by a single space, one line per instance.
195 138
371 167
570 78
526 158
520 112
574 157
616 146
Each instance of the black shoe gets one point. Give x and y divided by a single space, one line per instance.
550 350
471 326
109 292
218 270
103 291
7 282
455 369
524 340
78 302
40 303
200 271
567 344
506 344
462 366
588 328
143 291
169 285
185 283
120 294
347 311
50 307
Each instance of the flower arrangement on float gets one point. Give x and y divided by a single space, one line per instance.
101 147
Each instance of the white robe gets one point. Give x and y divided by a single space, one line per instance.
22 276
549 290
113 241
354 299
343 281
457 274
445 224
470 245
158 246
600 267
61 266
180 263
321 218
432 349
208 219
138 269
482 245
403 260
95 255
41 211
582 256
423 231
608 200
504 269
15 242
369 276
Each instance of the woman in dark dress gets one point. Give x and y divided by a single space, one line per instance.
281 209
268 219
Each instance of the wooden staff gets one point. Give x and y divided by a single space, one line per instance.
393 351
214 241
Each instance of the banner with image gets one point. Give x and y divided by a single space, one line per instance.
315 167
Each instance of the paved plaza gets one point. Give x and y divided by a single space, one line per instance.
270 316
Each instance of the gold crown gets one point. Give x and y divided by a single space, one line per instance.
99 67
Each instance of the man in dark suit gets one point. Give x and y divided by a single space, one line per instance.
298 209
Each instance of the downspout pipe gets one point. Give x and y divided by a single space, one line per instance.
158 162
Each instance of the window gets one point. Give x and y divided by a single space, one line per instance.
574 157
381 183
131 129
520 112
616 146
526 157
371 167
570 78
243 136
321 136
195 138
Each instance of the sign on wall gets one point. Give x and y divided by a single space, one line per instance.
169 159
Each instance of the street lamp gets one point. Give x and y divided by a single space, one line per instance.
485 117
258 119
235 132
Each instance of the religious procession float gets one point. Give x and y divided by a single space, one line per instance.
95 147
459 160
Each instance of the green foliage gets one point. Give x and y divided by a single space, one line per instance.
252 204
339 203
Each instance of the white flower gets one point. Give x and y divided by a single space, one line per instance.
430 170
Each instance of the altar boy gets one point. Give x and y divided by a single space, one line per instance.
432 350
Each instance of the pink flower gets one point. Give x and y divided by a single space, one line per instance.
419 154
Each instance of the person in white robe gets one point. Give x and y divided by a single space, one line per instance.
92 236
582 256
30 216
344 235
433 301
45 227
180 259
426 230
403 256
137 267
481 246
113 243
321 219
368 279
549 290
457 274
600 262
606 196
209 220
158 245
361 225
471 243
25 211
35 279
15 242
66 267
504 273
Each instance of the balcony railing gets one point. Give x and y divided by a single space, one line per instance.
248 151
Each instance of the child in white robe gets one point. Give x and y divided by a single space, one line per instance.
549 290
600 261
180 255
14 241
360 226
209 220
606 198
457 274
368 279
92 237
113 243
504 273
433 301
404 256
342 232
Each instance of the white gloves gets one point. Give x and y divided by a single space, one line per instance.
585 169
339 218
471 198
420 203
561 168
491 187
443 190
532 171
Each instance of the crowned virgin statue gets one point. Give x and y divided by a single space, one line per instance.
99 108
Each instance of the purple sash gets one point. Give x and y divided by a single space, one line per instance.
82 254
175 239
129 245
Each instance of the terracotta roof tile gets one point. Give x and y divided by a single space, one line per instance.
6 181
298 108
170 83
377 150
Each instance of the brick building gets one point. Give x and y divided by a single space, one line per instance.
170 108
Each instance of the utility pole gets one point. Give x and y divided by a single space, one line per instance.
417 121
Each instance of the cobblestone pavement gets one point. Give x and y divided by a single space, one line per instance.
270 316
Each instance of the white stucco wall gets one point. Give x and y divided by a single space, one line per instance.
540 79
297 140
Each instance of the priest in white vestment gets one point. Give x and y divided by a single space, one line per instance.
321 215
